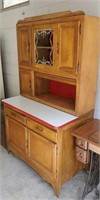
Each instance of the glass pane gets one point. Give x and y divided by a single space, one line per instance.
44 38
43 56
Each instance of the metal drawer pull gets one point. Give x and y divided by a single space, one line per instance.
81 144
81 155
39 128
13 114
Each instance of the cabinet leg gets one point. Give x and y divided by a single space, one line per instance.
93 177
8 151
58 190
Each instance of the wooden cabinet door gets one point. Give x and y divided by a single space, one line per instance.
44 47
68 47
42 152
26 82
24 46
16 135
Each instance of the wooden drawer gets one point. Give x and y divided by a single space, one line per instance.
82 155
15 115
81 143
42 130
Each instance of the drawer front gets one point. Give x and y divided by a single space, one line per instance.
42 130
81 143
82 155
15 115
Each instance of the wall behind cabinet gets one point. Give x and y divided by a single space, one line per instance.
8 20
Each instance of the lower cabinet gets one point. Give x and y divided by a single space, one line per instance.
48 151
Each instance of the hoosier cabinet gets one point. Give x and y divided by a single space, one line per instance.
58 65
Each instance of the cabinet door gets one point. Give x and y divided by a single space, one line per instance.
68 47
24 45
16 135
44 47
26 82
42 152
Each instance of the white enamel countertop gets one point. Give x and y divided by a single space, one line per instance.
52 117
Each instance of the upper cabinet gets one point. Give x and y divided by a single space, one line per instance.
24 46
58 59
55 47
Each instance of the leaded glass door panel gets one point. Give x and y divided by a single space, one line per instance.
45 46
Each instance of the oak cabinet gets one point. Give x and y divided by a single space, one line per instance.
24 46
58 64
26 82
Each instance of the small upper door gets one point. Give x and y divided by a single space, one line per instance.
24 46
68 46
44 47
26 82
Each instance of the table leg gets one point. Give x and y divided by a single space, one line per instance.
93 176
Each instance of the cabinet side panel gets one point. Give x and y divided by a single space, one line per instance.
86 90
70 166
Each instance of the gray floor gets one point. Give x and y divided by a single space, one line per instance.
19 182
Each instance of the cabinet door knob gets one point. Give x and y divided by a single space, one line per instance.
13 114
28 46
39 128
30 84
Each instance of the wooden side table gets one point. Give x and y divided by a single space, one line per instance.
87 144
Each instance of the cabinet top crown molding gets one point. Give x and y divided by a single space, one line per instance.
51 16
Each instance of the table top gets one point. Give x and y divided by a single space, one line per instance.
90 132
42 113
95 137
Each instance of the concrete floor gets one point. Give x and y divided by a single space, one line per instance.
19 182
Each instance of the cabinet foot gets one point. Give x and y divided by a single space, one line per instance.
8 151
93 176
58 191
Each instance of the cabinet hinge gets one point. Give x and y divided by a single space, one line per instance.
56 150
26 143
30 84
78 66
80 29
28 46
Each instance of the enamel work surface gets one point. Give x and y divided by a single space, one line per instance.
49 115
